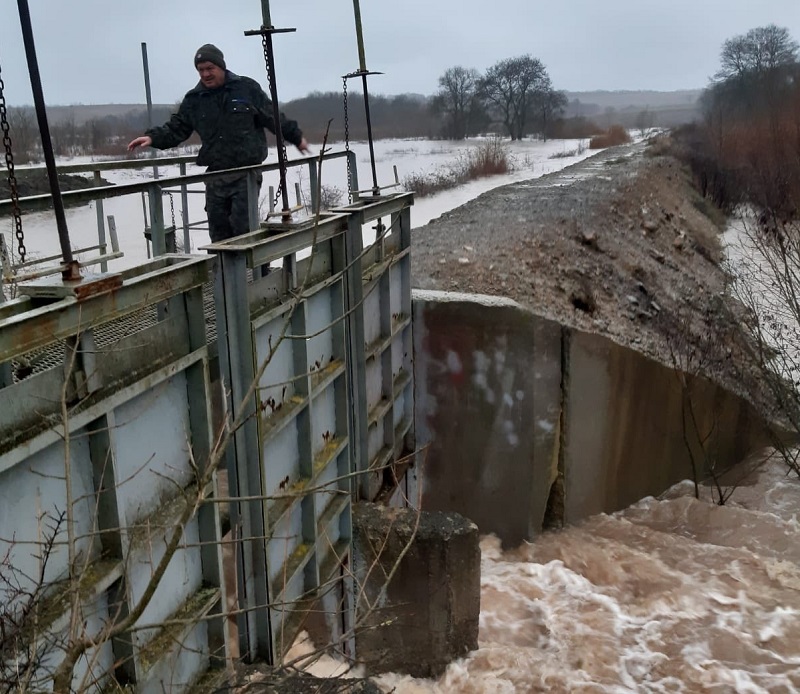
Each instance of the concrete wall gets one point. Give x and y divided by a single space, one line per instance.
624 426
488 394
513 405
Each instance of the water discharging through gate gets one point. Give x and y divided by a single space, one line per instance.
669 595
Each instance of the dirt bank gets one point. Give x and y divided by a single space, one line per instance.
620 244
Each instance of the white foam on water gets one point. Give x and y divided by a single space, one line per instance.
672 595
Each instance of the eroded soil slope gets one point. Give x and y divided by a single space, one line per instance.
620 244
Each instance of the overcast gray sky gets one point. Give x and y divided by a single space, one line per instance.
89 50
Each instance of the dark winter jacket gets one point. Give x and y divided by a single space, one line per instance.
230 121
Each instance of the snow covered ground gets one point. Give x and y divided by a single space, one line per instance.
531 158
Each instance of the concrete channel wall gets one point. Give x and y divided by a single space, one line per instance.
529 423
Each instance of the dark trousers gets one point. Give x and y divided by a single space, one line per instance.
226 205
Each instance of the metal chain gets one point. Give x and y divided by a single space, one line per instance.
173 247
12 179
172 208
347 141
277 125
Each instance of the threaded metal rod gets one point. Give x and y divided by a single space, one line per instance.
44 131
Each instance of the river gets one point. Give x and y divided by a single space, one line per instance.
670 595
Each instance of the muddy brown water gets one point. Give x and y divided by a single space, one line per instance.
670 595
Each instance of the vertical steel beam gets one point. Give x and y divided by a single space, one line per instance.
149 97
305 433
237 370
112 532
157 235
387 381
201 436
356 352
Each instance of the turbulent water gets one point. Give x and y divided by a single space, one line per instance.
669 595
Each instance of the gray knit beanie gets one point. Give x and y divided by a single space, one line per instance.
209 53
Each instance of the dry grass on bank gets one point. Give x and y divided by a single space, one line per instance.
615 135
490 158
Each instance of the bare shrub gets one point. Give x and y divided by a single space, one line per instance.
615 135
577 128
330 196
490 158
429 183
765 278
659 145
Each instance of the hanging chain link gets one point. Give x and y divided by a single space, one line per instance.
174 245
172 208
270 78
347 140
12 178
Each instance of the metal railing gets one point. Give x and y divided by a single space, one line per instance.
154 190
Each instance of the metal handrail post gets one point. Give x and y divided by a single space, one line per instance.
101 222
187 239
157 235
253 190
313 183
352 161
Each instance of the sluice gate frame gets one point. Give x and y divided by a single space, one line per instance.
133 357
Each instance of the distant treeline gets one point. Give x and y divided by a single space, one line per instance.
746 147
464 105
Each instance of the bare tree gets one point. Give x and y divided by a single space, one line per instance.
548 104
766 279
760 50
24 132
510 88
65 135
456 100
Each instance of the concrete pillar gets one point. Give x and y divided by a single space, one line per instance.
426 616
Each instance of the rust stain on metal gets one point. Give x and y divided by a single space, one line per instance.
102 285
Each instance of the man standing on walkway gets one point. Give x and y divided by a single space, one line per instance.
229 112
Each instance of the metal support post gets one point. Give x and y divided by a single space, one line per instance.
101 222
313 183
352 163
146 68
187 239
157 236
253 190
72 271
364 73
